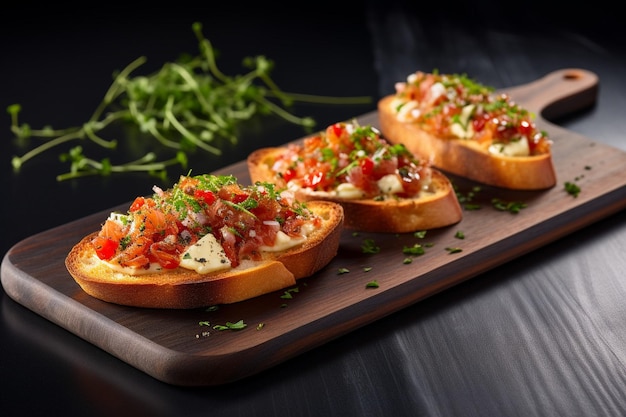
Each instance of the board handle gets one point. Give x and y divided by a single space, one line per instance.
560 93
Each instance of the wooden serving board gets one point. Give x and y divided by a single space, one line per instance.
172 346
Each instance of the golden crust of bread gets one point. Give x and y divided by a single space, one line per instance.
434 209
182 288
465 158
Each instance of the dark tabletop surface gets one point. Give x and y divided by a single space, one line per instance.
542 335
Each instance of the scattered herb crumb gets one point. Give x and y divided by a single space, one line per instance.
454 250
572 189
372 284
471 207
230 326
260 326
407 260
416 249
459 235
204 323
369 246
420 234
466 199
510 206
341 271
367 269
288 293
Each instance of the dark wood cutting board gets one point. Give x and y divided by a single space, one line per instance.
172 346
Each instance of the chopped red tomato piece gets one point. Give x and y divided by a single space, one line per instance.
205 195
313 179
165 254
105 247
337 129
137 204
367 166
289 174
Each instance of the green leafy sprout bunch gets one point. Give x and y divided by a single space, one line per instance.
186 105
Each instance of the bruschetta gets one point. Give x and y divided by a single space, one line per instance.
466 129
381 187
208 240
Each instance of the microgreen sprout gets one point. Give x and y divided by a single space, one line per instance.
187 105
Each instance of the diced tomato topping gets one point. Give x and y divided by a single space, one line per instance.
240 198
166 254
478 123
289 174
135 254
137 204
495 117
367 166
112 230
157 230
233 193
525 128
313 179
105 247
205 195
336 130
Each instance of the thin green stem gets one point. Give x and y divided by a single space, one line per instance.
19 161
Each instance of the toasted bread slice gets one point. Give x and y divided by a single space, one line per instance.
182 288
433 207
467 130
467 158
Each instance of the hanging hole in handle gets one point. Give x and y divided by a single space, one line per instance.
582 99
572 76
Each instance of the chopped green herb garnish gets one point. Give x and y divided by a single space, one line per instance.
230 326
372 284
510 206
369 246
416 249
572 189
288 293
454 250
341 271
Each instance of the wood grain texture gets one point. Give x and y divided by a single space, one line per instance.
171 345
